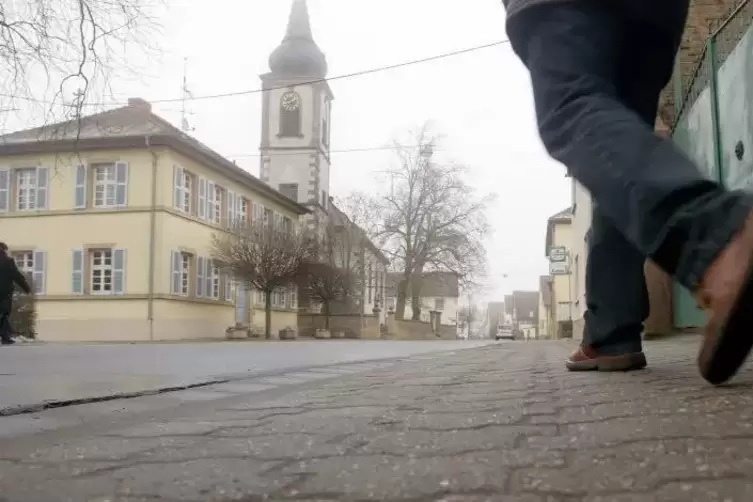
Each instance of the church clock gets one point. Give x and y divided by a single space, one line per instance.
291 101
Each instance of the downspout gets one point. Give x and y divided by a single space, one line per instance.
152 234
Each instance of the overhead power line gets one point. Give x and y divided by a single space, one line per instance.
369 71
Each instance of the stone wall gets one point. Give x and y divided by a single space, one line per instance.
353 325
417 330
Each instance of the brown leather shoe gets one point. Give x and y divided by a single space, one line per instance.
726 294
586 359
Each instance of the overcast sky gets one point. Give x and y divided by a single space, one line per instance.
481 101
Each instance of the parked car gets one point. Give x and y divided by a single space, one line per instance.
505 332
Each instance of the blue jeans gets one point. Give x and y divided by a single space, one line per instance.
597 69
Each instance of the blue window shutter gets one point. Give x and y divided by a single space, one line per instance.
121 180
43 182
176 275
4 189
200 276
118 271
38 273
178 191
208 278
77 278
80 193
210 200
202 212
230 209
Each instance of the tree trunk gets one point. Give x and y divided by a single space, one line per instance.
268 315
415 288
325 307
402 288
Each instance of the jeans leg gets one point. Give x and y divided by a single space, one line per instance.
5 329
652 193
616 294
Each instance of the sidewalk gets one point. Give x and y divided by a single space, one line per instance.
504 422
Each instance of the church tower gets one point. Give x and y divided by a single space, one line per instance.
297 102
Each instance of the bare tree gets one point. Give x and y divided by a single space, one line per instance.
62 54
327 284
430 219
264 257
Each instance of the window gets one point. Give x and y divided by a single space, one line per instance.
184 185
242 205
287 225
26 189
215 205
214 280
23 189
109 185
181 270
32 265
290 114
279 297
438 303
104 185
103 268
289 190
326 122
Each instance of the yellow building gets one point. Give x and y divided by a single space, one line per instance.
113 217
555 295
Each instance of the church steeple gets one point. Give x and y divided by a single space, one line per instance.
298 55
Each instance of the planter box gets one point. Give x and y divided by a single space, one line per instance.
322 334
338 334
237 333
288 334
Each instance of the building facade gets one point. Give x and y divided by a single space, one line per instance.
296 142
440 292
113 217
562 269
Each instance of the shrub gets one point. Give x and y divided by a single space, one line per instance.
23 317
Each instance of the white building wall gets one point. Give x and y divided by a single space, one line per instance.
428 303
581 224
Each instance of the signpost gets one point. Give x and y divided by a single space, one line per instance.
559 268
558 254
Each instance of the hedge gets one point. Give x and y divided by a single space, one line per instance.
23 318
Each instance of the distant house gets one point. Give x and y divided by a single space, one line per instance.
524 309
559 235
495 313
545 306
440 292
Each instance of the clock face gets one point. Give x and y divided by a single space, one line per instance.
291 101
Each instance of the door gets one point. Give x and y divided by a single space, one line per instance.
241 305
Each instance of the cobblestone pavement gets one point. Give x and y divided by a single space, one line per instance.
504 422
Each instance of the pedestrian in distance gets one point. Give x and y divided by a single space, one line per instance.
10 276
597 68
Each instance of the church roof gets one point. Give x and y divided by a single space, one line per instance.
298 55
131 126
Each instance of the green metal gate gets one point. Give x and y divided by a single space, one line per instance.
714 124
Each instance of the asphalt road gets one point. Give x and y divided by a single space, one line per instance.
500 423
31 374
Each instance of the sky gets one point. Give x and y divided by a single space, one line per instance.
480 101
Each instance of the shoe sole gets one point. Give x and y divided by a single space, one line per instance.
628 362
735 340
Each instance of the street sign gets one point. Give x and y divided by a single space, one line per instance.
558 254
559 268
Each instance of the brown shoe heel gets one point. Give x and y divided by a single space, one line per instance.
722 355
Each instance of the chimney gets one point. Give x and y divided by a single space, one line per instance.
140 103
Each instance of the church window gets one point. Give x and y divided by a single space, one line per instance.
290 114
289 190
326 126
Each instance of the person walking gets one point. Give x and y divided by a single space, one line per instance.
597 69
9 277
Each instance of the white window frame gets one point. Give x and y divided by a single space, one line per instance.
29 188
26 263
186 187
107 187
104 268
185 273
213 277
215 204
